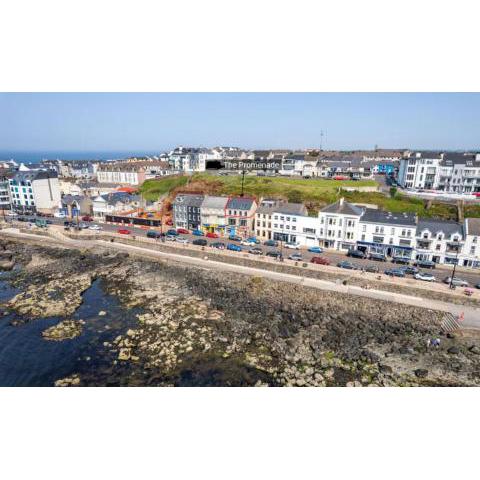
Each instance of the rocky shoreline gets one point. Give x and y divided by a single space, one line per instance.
197 327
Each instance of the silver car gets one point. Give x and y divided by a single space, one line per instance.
456 281
426 277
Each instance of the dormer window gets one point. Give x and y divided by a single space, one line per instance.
425 235
439 236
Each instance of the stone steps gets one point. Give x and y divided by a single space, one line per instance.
450 323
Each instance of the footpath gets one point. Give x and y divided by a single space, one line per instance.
470 314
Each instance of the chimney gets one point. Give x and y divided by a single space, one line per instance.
341 201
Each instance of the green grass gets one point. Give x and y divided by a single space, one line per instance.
153 189
315 193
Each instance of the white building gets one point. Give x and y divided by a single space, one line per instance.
113 203
339 225
288 222
471 247
34 190
391 234
448 172
131 173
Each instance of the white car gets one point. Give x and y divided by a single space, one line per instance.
293 246
426 277
247 243
12 214
59 215
95 227
182 240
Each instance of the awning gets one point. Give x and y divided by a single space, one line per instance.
384 245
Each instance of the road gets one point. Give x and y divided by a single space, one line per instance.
470 314
440 273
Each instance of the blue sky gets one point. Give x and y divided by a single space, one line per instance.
157 121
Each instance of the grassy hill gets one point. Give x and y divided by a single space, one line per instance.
315 193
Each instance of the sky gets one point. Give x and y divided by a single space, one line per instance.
155 122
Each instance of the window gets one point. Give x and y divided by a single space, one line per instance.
439 236
288 219
339 234
377 239
232 221
438 246
258 223
294 219
282 218
472 250
363 236
294 227
275 217
364 228
392 231
275 225
474 240
243 222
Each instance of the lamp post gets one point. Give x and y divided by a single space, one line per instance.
457 244
243 181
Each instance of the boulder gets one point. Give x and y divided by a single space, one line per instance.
474 349
453 350
421 372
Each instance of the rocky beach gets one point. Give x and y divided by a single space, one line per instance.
117 320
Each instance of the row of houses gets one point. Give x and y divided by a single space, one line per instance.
341 226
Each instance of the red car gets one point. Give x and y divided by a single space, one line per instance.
87 218
124 231
211 235
320 261
183 230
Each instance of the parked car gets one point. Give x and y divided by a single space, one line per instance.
295 256
425 264
426 277
219 245
409 270
395 272
21 219
197 233
82 225
172 232
254 240
247 243
477 285
292 245
270 243
274 254
212 235
315 250
171 238
356 254
346 264
153 234
402 260
184 231
12 214
320 260
200 241
59 215
256 251
94 227
378 257
182 240
235 238
48 222
234 248
124 231
456 281
372 269
87 218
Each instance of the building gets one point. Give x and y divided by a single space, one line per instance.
448 172
240 215
114 202
263 218
189 160
391 234
131 173
439 241
5 201
187 211
212 214
34 190
285 221
76 205
471 247
339 225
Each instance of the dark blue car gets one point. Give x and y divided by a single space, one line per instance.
172 233
234 248
197 232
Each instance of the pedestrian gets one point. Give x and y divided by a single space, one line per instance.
429 343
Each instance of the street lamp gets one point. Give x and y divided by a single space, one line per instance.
457 244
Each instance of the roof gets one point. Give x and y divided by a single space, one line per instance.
436 226
372 215
211 201
455 158
343 208
240 203
189 200
291 209
71 199
473 226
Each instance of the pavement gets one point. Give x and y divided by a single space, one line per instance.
471 315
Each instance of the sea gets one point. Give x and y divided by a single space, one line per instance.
38 156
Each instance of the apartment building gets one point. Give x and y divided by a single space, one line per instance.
288 222
449 172
190 160
34 190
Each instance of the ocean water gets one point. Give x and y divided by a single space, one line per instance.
38 156
27 359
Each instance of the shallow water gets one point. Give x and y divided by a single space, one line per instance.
27 359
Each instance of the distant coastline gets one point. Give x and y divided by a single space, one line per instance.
38 156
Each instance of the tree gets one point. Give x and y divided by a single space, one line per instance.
393 192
